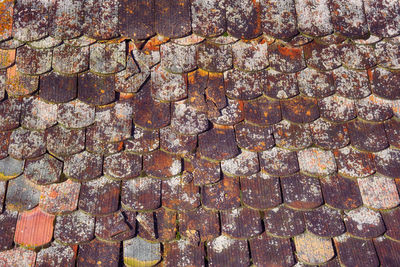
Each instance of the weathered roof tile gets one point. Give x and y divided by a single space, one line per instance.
253 138
11 168
168 14
340 192
19 84
218 143
313 17
187 120
214 57
60 197
75 227
354 163
278 161
300 109
67 19
208 17
194 221
223 195
241 223
176 143
351 83
161 164
387 251
33 61
179 194
143 141
6 11
251 56
43 170
392 220
57 88
69 59
262 111
135 19
96 90
107 57
364 222
224 251
384 83
278 18
322 57
316 161
387 162
98 252
38 114
17 256
143 193
358 56
100 19
324 221
65 142
178 58
313 249
382 17
329 135
243 18
56 255
286 59
182 252
244 164
367 136
83 166
26 144
280 85
8 223
22 194
373 108
138 251
337 108
315 84
242 85
292 136
75 114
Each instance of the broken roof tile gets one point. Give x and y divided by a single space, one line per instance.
340 192
69 59
8 221
208 17
272 251
285 58
316 161
337 108
313 249
66 19
367 136
18 256
215 91
60 197
168 14
11 168
387 251
382 17
34 228
353 251
178 58
19 84
83 166
300 109
135 19
176 143
384 83
183 253
284 222
166 223
6 24
243 18
57 88
301 192
132 78
244 164
123 165
262 111
37 114
100 19
43 170
224 251
241 223
322 57
223 195
146 226
114 227
65 142
33 61
142 193
292 136
143 141
279 18
205 172
324 221
351 83
73 228
138 251
22 194
242 85
278 161
280 85
75 114
253 138
373 108
218 144
354 163
314 83
187 120
364 222
251 56
313 17
379 192
161 164
229 115
107 58
260 191
96 90
56 255
194 221
214 57
26 144
387 162
97 252
358 56
329 135
348 18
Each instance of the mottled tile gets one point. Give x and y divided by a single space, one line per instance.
392 220
215 58
73 228
244 164
69 59
75 114
178 58
11 168
83 166
278 18
161 164
354 163
382 17
143 141
316 161
143 193
26 144
367 136
114 227
193 220
183 253
67 19
18 84
98 252
208 17
314 83
223 195
363 222
43 170
8 221
324 222
313 17
379 192
242 85
352 84
278 161
358 56
60 197
243 18
337 108
187 120
100 19
64 142
6 11
340 192
38 114
252 55
313 249
33 61
285 58
107 57
56 255
224 251
322 57
387 251
300 109
262 111
22 194
218 144
17 257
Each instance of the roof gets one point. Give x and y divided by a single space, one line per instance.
204 132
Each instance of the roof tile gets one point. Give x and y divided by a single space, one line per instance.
392 129
83 166
11 168
253 138
367 136
329 135
251 56
18 84
313 17
387 162
278 161
363 222
280 85
194 220
224 251
101 19
292 136
316 161
69 59
384 83
8 221
26 144
57 88
216 90
187 120
243 18
387 251
7 58
113 227
176 143
146 226
324 221
222 195
123 165
300 109
340 192
358 56
373 108
205 172
229 115
43 170
313 249
22 194
183 253
56 255
166 223
392 220
178 58
33 61
354 163
208 17
382 17
241 223
75 227
67 19
337 108
278 18
143 193
63 142
143 141
322 57
97 252
96 90
17 256
169 14
161 164
133 77
4 141
6 11
244 164
214 57
138 251
242 85
107 58
60 197
75 114
351 83
37 114
218 144
314 83
388 54
262 111
180 195
286 59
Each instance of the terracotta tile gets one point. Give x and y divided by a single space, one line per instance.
107 57
187 120
75 114
57 88
193 220
363 222
8 221
142 193
178 58
243 19
146 226
180 195
6 11
379 192
43 170
98 253
213 57
284 222
373 108
353 163
351 83
142 141
26 144
22 194
383 83
268 250
224 251
392 129
64 142
83 166
215 92
358 56
340 192
169 14
337 108
222 195
10 110
60 197
392 220
253 138
161 164
34 228
182 252
250 56
18 84
313 249
230 115
69 59
165 225
114 227
99 196
55 255
262 111
4 142
218 144
329 135
313 83
322 57
73 228
11 168
324 221
33 61
286 59
173 142
139 252
123 165
279 84
300 109
316 161
383 18
17 257
37 114
208 18
278 18
205 172
241 223
7 58
387 251
131 79
278 161
367 136
100 19
242 85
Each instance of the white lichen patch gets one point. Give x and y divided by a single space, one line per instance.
337 108
246 163
351 83
379 192
178 58
313 17
316 161
250 56
75 227
187 120
37 114
167 86
221 243
76 114
229 115
374 108
363 217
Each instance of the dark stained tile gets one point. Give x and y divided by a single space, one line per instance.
301 192
382 17
138 251
22 194
98 253
65 142
33 61
242 85
197 83
135 19
243 18
57 88
340 192
268 250
205 172
384 83
213 57
392 129
143 141
313 249
313 17
354 163
183 253
208 17
222 195
251 55
358 56
324 221
161 164
300 109
169 14
337 108
379 192
284 222
329 135
351 83
123 165
31 20
176 143
387 251
300 40
278 18
315 84
387 162
244 164
38 114
6 11
179 194
18 256
316 161
55 255
285 58
215 91
10 112
373 108
367 136
178 58
26 144
69 59
43 170
18 84
387 54
60 197
75 114
83 166
354 252
224 251
67 19
392 220
364 222
241 223
146 226
150 113
218 144
229 115
143 193
322 57
166 223
262 111
278 161
101 19
8 223
292 136
75 227
348 18
114 227
96 90
280 85
167 86
253 138
193 220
